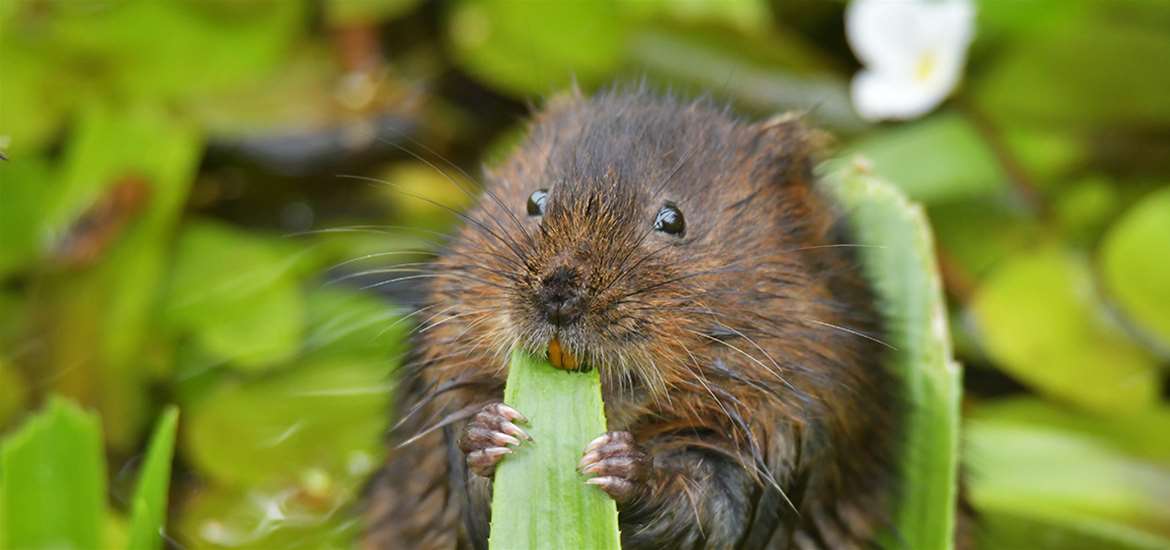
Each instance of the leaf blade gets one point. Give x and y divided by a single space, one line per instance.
539 499
57 452
149 507
897 256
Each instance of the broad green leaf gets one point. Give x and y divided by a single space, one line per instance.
23 198
1066 478
13 394
348 12
53 481
1058 76
299 101
1136 267
976 234
149 507
1028 530
348 323
237 294
101 317
1045 155
58 55
897 257
152 49
1001 22
1041 322
1084 207
748 15
539 499
1137 435
327 415
940 159
768 72
269 518
527 48
35 98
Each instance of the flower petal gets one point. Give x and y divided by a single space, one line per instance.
913 50
891 34
882 33
880 96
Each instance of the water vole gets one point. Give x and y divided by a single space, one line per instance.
686 255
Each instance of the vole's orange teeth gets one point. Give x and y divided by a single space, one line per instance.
560 357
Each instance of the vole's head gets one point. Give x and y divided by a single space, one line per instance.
631 232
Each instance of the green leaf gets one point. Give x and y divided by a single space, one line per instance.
1027 530
349 12
23 187
940 159
977 234
238 294
1129 434
1045 155
766 72
1136 269
149 507
151 49
53 481
267 518
347 323
897 257
13 393
34 103
747 15
527 48
1041 322
539 499
1056 76
1084 207
1066 479
59 55
101 317
327 415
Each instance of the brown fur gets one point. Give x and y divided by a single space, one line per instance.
744 357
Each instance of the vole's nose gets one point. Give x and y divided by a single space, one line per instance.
561 298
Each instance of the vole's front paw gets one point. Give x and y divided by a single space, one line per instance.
489 435
618 464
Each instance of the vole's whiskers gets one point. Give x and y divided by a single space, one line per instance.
518 254
753 359
848 330
468 192
457 416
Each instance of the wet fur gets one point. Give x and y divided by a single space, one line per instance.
745 357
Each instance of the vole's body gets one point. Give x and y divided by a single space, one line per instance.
742 355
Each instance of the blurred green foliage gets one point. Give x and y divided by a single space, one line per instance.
179 225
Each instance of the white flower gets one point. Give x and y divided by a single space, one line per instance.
913 52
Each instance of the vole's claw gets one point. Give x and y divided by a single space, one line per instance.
512 429
509 412
489 437
483 462
619 464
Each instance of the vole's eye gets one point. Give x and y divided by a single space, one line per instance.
670 220
536 202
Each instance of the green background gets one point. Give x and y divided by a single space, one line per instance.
260 127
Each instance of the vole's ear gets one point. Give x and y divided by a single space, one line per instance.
787 148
